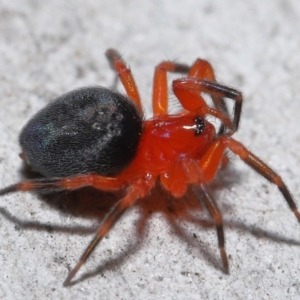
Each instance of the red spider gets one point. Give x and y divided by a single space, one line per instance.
96 137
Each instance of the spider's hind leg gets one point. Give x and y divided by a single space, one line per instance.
136 190
47 185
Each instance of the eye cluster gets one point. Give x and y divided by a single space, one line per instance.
200 125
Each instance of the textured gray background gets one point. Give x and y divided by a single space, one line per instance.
50 48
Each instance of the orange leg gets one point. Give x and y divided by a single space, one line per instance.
201 69
135 191
202 192
138 189
188 91
70 183
210 162
125 76
160 85
186 171
209 165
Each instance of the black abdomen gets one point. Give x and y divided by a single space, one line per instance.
89 130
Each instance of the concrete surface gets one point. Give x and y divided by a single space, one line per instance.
162 249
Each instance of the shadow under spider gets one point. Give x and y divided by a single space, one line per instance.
94 204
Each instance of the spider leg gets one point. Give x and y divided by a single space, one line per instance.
210 162
261 168
189 98
124 73
214 211
70 183
135 191
160 85
187 171
188 90
202 69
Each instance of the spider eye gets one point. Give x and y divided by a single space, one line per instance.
199 126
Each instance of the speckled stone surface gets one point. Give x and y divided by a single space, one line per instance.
163 248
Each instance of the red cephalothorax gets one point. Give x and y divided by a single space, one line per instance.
167 138
97 137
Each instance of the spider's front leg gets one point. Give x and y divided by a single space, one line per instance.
188 91
201 71
160 85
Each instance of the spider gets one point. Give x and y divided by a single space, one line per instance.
97 137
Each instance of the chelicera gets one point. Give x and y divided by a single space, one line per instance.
97 137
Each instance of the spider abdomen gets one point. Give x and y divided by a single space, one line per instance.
89 130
